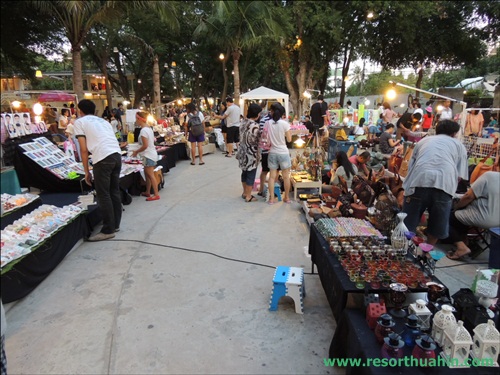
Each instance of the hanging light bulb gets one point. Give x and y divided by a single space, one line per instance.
38 74
37 109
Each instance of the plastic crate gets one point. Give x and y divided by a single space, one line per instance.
335 146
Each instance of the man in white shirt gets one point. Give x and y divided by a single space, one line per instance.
435 167
232 115
95 135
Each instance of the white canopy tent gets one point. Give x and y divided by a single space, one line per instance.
264 93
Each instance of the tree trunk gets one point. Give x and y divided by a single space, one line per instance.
106 80
224 74
419 81
77 71
345 71
123 83
236 60
138 94
156 86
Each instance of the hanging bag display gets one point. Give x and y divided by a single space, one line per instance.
403 171
395 162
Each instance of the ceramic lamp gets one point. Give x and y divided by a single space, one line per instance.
424 350
456 344
393 346
384 327
486 290
441 321
486 342
412 331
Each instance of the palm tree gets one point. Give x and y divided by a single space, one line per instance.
239 25
78 17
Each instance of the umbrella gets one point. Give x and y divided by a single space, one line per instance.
56 96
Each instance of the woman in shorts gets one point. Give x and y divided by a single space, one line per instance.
148 154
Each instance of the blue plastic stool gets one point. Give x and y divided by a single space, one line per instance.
277 191
288 281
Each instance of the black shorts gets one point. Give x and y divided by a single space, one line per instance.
223 128
263 161
232 134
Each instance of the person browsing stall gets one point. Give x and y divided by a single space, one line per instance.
196 140
435 167
387 144
232 117
360 162
148 154
95 135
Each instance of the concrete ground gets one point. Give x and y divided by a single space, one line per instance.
151 302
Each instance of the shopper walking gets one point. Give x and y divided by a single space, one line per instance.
436 165
279 156
95 135
189 119
248 152
148 154
232 117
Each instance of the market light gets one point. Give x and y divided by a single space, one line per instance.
439 108
299 142
307 94
165 65
174 64
150 119
221 56
139 81
346 78
179 102
367 102
369 15
200 76
16 103
125 103
38 74
465 92
391 94
37 109
232 72
115 49
88 94
402 105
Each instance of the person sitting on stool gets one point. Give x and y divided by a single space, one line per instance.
479 207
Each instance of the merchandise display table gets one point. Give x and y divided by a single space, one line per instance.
305 185
209 148
168 158
23 275
17 213
354 339
334 279
10 182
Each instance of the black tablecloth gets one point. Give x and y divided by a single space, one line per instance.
168 159
180 151
30 174
354 339
334 279
31 270
12 216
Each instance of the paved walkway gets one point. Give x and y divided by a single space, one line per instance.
148 303
131 307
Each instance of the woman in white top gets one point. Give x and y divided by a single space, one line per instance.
148 154
279 156
63 121
344 169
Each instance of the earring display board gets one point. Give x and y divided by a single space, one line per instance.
49 156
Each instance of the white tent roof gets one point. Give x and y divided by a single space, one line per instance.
261 93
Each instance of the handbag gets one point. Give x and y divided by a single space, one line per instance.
265 140
481 168
363 190
341 135
395 163
403 170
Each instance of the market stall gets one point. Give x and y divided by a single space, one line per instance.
263 93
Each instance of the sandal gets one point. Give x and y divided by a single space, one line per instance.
271 203
287 201
243 196
252 199
193 164
202 163
228 156
461 258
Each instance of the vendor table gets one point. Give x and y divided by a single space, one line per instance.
305 185
334 279
180 151
26 273
354 339
9 217
10 182
168 158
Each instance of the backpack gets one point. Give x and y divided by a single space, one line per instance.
264 140
195 125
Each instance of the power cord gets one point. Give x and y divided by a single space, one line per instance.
462 264
205 252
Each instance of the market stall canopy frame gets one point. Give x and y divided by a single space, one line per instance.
264 93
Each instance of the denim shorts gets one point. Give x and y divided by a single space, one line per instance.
282 161
248 177
148 162
438 204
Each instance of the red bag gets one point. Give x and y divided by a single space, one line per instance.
395 163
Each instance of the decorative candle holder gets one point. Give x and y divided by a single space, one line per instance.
398 297
384 327
393 346
456 344
423 314
412 331
441 321
486 342
424 350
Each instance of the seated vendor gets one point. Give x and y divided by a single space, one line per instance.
388 145
479 207
341 167
360 162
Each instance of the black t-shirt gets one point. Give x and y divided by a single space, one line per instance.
318 110
309 126
405 120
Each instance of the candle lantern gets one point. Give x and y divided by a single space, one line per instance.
393 346
412 331
441 321
456 344
424 350
384 327
486 342
423 314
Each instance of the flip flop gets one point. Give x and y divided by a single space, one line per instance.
202 163
252 199
287 201
228 156
243 196
271 203
193 164
460 258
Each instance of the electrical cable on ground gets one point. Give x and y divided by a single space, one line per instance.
462 264
204 252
